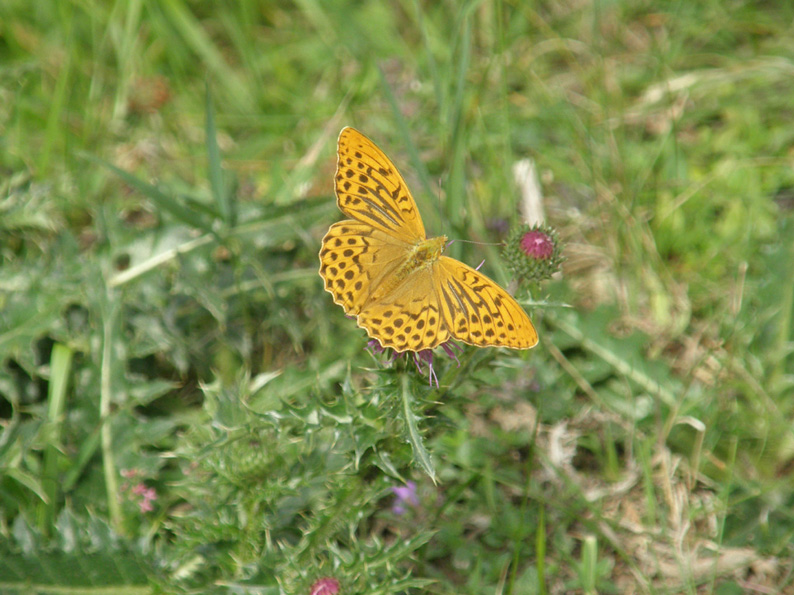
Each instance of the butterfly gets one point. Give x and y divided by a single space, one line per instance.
381 268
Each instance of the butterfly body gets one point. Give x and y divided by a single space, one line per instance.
424 254
380 267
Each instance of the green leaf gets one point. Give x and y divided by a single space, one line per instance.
421 456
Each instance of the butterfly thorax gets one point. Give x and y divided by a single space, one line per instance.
422 256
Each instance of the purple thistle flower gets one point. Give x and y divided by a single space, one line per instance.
374 346
419 357
426 356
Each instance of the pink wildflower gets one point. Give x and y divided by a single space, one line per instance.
325 586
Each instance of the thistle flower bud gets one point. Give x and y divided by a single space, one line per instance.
533 252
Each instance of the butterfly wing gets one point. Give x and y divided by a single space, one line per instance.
409 318
477 310
371 190
355 259
448 300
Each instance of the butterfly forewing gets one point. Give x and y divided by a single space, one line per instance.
355 259
370 189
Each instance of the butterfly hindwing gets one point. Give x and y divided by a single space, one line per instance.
478 311
409 318
370 189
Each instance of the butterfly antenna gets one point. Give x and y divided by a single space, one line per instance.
478 243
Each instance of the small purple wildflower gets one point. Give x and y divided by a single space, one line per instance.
405 497
325 586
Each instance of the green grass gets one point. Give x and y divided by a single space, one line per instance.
166 179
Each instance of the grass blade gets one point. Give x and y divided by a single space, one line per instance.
219 191
60 370
160 198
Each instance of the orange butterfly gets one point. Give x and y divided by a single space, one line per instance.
381 268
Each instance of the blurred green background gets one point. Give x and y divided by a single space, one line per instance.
184 409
